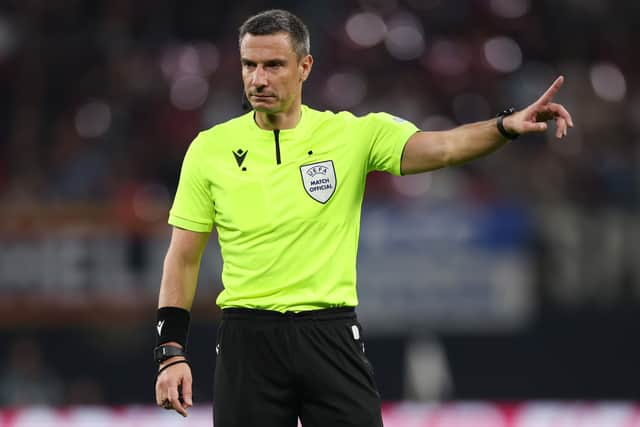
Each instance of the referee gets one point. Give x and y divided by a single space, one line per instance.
283 185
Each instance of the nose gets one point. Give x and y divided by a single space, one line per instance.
259 78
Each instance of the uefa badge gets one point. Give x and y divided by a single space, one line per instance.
319 180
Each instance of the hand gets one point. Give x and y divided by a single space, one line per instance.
173 386
534 117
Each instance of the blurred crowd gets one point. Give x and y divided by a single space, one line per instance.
101 99
28 379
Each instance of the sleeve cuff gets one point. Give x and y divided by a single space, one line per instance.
188 224
399 151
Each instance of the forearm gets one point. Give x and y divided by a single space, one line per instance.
473 140
180 270
180 276
427 151
179 281
177 288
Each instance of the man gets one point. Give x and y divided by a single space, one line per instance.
283 185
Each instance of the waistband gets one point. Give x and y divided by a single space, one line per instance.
322 314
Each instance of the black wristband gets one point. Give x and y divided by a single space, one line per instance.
171 364
167 351
172 325
509 111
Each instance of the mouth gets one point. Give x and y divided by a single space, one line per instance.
261 96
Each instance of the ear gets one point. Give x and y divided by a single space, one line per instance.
305 66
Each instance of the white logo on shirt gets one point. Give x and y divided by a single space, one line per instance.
319 180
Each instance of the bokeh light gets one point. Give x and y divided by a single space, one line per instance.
366 29
345 89
503 54
179 60
189 92
209 57
448 57
405 39
93 119
608 82
510 8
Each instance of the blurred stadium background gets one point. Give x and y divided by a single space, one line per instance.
501 293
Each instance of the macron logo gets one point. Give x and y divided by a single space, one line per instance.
240 154
159 327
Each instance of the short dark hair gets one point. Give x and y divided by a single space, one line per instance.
277 21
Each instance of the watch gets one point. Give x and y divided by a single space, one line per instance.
509 111
164 352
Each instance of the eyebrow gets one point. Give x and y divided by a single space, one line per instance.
268 62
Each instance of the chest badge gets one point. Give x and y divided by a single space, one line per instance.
319 180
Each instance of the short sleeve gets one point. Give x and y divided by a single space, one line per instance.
193 205
388 135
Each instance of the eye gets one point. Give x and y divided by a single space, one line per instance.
274 65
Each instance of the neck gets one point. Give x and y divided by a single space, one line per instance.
282 120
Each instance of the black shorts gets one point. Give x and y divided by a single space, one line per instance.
272 368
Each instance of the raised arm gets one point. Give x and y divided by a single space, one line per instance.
177 289
427 151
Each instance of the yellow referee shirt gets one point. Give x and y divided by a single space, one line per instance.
286 204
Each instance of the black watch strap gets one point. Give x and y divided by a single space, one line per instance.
164 352
509 111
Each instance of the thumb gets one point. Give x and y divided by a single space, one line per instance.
534 127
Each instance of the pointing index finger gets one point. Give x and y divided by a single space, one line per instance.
550 93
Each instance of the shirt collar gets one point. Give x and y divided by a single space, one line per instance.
292 133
